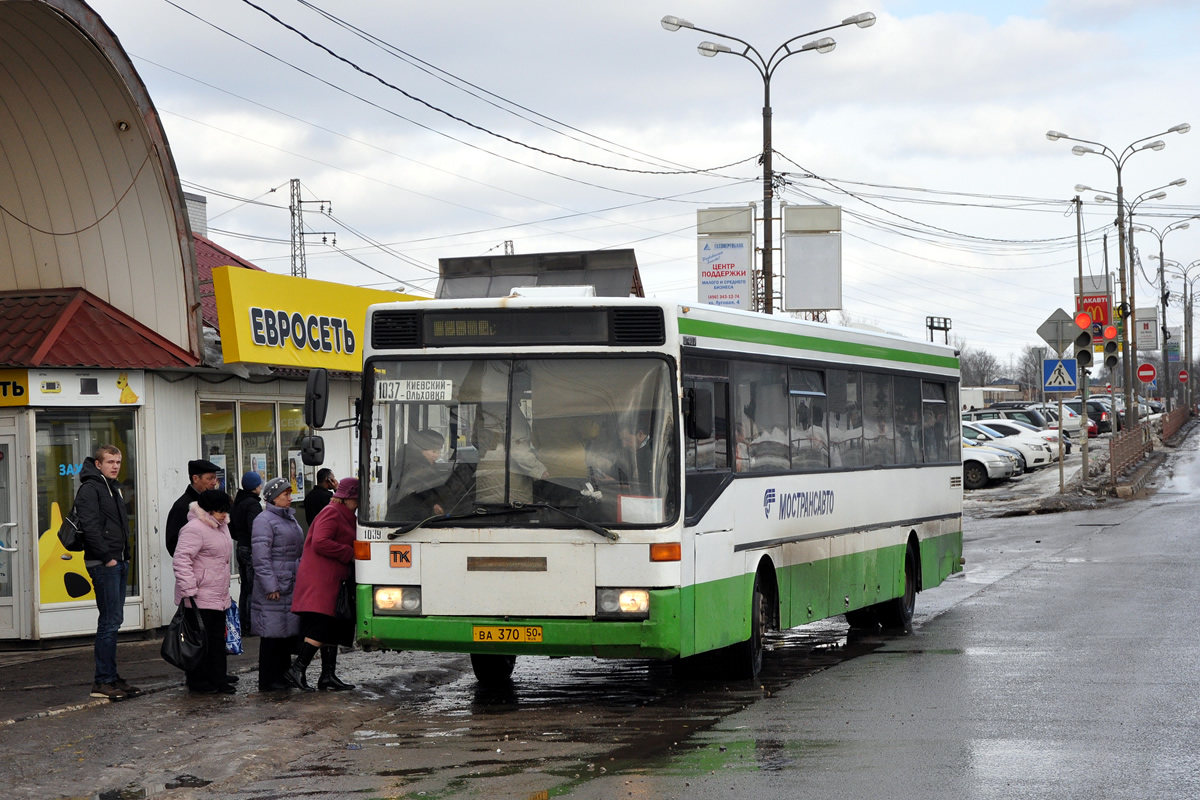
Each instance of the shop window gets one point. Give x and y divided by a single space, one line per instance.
218 441
65 438
260 445
291 430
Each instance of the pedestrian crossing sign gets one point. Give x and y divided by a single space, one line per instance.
1060 375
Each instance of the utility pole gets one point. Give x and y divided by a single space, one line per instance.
299 266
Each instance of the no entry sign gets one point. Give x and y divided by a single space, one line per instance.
1146 373
1183 376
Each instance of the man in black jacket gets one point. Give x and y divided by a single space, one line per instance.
246 506
103 519
203 476
320 495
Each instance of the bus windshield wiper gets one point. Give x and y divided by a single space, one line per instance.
503 508
478 511
591 526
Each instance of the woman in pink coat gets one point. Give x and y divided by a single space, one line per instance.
328 559
201 564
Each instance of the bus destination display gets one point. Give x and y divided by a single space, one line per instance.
515 327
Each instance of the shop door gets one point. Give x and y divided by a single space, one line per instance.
15 543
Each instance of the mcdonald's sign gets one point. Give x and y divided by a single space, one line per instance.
1097 305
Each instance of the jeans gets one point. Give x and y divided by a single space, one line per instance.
109 585
245 562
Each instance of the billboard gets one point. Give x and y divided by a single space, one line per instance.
726 267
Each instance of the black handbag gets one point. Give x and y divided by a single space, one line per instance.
185 642
345 607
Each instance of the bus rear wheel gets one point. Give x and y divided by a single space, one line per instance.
492 669
897 614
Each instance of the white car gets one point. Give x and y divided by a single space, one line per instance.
1013 427
1037 451
982 465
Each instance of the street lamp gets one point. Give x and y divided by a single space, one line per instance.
1189 297
1118 161
1162 284
766 68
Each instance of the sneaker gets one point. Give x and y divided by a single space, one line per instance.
108 690
131 691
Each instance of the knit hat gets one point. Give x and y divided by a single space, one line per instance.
347 489
201 467
275 487
428 440
250 480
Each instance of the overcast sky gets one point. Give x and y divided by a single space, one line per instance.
444 129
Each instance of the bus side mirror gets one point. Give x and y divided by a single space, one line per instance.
316 399
698 413
312 451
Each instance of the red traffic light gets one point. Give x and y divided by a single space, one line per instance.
1083 319
1109 332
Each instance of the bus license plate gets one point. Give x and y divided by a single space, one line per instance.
506 633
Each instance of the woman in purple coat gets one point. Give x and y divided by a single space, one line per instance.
201 564
276 541
327 561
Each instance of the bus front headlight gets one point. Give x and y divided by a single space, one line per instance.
397 599
622 603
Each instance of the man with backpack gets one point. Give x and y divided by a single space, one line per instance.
101 515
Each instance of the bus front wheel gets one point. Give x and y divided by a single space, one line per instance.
745 658
492 669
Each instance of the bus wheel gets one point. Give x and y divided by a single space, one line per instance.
492 668
897 614
745 658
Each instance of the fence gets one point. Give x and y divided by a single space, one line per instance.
1129 447
1174 420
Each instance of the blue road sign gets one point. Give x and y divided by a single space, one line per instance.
1060 375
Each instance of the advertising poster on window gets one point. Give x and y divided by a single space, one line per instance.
219 460
726 265
258 463
296 475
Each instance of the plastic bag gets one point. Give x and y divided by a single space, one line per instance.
233 630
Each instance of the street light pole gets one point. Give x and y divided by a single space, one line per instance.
1162 284
1118 162
766 68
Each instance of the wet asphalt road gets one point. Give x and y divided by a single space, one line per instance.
1061 664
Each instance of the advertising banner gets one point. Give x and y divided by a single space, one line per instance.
726 266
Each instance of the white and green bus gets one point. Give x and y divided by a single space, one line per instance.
630 478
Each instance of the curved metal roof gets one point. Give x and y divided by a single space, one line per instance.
89 194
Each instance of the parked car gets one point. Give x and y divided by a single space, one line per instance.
1102 413
1071 421
1025 414
982 465
1036 451
1010 427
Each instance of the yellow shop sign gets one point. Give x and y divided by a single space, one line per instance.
293 322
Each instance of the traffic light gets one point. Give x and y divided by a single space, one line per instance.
1083 339
1111 356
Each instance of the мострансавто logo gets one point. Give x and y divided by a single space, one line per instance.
792 505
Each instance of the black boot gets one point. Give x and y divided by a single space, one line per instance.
328 681
295 675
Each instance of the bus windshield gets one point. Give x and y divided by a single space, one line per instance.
521 442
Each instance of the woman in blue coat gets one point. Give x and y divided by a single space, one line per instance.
276 542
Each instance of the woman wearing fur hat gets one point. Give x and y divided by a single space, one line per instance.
201 565
276 542
327 561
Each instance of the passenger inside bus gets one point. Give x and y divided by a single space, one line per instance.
418 488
